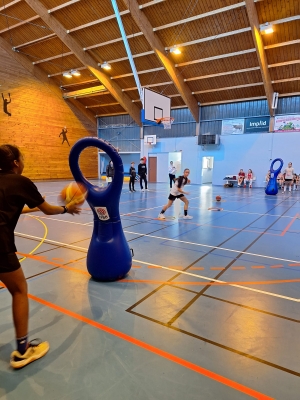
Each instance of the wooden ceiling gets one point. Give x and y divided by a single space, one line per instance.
220 60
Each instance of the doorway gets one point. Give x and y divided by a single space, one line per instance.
152 169
175 156
207 169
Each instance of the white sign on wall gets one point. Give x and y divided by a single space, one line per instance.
232 126
287 123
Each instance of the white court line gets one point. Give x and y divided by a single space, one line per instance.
245 212
215 247
167 268
219 281
61 220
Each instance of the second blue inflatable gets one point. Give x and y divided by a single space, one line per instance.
272 187
109 257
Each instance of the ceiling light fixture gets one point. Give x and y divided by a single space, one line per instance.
74 72
175 50
266 28
67 74
106 65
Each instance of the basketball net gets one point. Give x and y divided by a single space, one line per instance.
166 121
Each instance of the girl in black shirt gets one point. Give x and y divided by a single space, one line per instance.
16 191
132 176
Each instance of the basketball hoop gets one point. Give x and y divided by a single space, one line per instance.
166 121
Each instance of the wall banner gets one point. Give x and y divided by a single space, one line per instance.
232 126
257 125
287 123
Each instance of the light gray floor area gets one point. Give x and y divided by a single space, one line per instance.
210 309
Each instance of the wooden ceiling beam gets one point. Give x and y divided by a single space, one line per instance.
69 53
112 16
289 43
41 75
80 83
142 21
86 59
200 16
12 3
25 21
67 4
101 105
35 41
229 88
87 92
67 70
260 51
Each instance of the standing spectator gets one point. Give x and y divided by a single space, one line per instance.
288 177
172 171
132 175
142 171
241 177
110 172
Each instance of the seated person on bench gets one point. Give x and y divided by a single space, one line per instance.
268 176
241 177
249 178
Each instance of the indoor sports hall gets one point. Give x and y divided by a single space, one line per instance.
174 272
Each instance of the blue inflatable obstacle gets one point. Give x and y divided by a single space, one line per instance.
109 257
272 187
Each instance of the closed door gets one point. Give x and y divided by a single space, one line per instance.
152 169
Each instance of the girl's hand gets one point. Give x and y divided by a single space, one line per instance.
188 181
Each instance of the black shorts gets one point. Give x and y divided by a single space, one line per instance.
171 197
9 262
288 180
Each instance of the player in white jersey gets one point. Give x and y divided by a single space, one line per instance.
177 192
288 177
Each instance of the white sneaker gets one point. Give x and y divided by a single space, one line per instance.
161 216
187 217
143 190
147 190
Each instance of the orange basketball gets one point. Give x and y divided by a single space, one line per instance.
218 198
73 191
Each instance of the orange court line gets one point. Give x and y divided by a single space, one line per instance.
258 266
155 350
135 266
294 265
289 225
44 260
217 268
276 266
161 282
153 266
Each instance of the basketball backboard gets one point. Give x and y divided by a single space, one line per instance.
156 106
150 139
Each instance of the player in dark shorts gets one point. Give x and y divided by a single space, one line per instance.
178 193
288 177
16 191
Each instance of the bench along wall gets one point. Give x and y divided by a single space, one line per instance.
37 118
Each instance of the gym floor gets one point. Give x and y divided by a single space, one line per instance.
209 310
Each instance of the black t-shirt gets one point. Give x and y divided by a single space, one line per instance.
15 191
132 172
142 169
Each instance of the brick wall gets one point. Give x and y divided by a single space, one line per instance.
38 114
